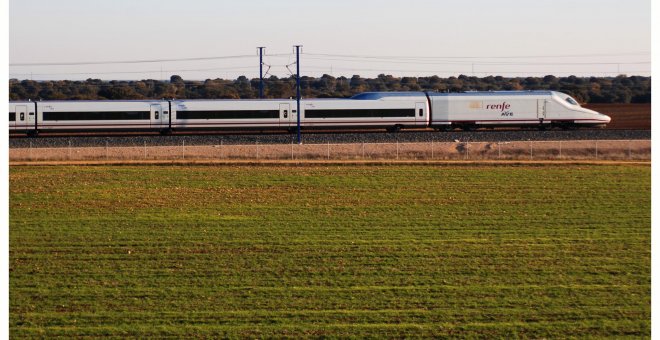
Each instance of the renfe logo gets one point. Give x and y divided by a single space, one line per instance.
502 107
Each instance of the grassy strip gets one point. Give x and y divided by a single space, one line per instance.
543 251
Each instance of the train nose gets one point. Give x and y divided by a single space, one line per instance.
601 117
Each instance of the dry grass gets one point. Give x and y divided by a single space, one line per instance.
633 150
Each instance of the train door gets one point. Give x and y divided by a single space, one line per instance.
285 114
541 108
165 117
12 118
31 118
420 112
22 117
293 117
156 115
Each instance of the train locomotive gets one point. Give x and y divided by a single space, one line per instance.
388 110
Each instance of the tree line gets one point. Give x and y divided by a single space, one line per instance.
620 89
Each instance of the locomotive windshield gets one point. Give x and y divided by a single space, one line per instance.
571 101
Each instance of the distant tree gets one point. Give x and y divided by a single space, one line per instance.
343 87
641 98
211 90
280 88
454 84
358 84
531 83
120 92
549 79
175 79
325 86
410 84
378 84
621 89
244 88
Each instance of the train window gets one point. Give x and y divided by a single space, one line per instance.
286 113
103 115
12 116
360 113
421 112
22 115
242 114
571 101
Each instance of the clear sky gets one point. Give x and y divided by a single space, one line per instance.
339 37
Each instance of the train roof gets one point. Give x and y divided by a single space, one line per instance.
380 95
359 96
492 93
91 101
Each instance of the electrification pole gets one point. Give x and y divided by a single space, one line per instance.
298 88
261 74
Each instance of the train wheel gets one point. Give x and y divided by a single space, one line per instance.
394 129
446 128
567 125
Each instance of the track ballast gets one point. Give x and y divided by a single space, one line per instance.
319 137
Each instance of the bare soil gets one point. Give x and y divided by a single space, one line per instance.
625 116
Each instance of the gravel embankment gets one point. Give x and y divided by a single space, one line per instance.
335 138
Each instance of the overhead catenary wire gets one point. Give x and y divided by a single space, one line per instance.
325 70
267 70
109 62
78 63
453 66
458 72
483 62
647 53
145 71
138 61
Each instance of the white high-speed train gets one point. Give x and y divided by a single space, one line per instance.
390 110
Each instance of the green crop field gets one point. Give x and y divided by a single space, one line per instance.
549 251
